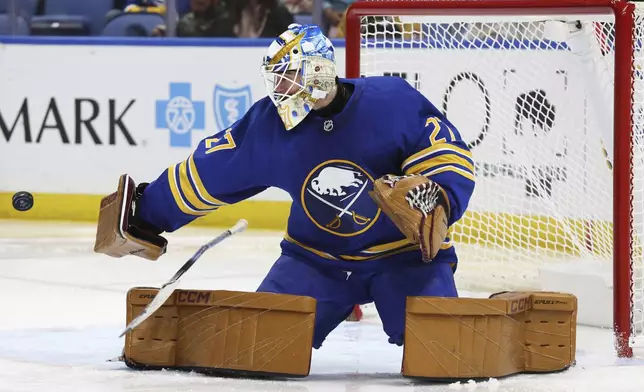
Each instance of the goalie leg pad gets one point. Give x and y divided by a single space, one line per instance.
222 332
453 339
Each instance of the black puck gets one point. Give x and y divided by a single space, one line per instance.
22 201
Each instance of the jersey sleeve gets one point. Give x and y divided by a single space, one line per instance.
221 170
441 154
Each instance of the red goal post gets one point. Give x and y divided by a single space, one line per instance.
625 74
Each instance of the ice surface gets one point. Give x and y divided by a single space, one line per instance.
63 307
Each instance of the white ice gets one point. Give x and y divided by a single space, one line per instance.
63 307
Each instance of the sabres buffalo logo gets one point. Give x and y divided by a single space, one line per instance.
335 198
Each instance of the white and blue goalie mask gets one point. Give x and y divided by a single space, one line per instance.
298 70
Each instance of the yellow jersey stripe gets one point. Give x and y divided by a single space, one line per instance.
387 247
380 256
436 148
440 160
176 194
408 248
454 169
189 192
313 250
201 189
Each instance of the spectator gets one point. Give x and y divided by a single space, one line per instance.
154 6
207 18
183 7
298 6
260 18
333 12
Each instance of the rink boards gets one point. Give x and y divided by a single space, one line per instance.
70 128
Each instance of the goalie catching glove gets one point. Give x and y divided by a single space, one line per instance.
119 232
418 207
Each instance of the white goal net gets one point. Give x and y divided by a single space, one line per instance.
531 91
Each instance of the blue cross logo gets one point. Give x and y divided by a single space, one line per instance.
180 114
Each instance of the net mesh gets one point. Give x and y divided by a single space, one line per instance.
532 96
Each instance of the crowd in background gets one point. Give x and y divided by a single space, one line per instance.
231 19
191 18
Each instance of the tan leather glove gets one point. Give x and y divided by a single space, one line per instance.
418 207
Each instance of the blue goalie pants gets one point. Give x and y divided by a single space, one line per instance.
337 292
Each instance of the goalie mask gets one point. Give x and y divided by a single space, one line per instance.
298 70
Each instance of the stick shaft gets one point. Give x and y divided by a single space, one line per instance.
168 288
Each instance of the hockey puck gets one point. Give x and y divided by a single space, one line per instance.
22 201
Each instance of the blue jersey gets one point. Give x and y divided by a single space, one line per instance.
328 166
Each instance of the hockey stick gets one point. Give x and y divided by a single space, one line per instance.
168 288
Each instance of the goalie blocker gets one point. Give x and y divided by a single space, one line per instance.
119 233
260 334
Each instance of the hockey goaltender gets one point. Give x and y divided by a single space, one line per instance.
314 139
270 334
